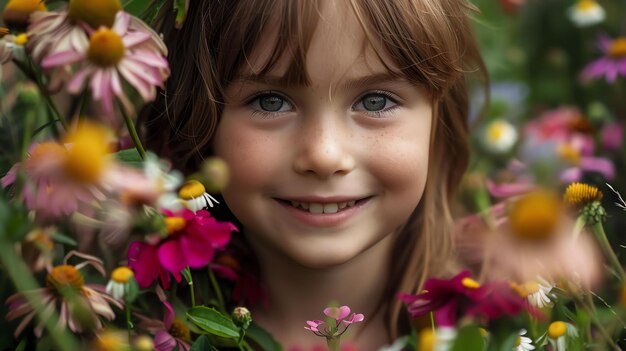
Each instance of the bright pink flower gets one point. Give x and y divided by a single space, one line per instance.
612 136
169 333
314 325
113 56
192 241
612 64
461 296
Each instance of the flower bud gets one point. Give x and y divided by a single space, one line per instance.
216 174
242 317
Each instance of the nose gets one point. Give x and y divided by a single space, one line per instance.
323 147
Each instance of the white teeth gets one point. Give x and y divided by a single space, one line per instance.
316 208
331 208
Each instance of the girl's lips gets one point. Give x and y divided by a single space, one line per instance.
323 220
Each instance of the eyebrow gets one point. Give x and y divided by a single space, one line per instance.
372 79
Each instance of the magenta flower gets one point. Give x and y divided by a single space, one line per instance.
113 56
612 65
333 332
191 242
461 296
169 333
612 136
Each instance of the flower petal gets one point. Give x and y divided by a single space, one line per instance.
172 256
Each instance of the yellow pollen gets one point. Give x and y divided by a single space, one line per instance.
122 274
21 39
87 154
557 329
180 330
17 12
426 340
110 341
174 224
65 276
496 130
586 5
580 194
618 48
191 190
96 13
569 154
470 283
535 216
518 341
483 332
144 343
105 48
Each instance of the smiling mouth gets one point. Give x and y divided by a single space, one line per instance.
324 208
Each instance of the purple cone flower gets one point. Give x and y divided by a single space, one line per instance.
612 64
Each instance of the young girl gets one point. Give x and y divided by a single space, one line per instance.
344 124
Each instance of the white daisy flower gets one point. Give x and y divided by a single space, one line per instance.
559 332
586 13
195 196
523 343
499 136
539 293
119 284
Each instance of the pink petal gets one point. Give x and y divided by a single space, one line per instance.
143 260
571 175
354 318
198 250
169 315
62 58
77 83
598 164
612 135
134 38
97 84
163 341
337 313
142 87
9 178
120 26
172 256
507 189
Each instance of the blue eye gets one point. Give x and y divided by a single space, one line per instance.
270 103
375 103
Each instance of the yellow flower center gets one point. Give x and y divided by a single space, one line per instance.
426 340
21 39
44 151
191 190
483 332
526 289
586 5
174 224
518 341
144 343
618 48
105 48
3 31
569 154
470 283
557 329
17 12
122 275
65 276
180 330
535 216
40 238
580 194
496 130
96 13
110 341
87 153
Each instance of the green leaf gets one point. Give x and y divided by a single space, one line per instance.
202 344
212 321
181 11
64 239
129 156
261 338
468 338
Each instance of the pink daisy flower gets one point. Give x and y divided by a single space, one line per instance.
113 57
191 242
59 279
612 65
169 333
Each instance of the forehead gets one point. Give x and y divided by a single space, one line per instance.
331 44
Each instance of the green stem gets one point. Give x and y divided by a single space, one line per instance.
193 294
129 323
130 125
333 344
24 282
598 230
218 292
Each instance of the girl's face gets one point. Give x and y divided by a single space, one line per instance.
322 173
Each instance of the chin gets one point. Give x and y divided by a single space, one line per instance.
323 257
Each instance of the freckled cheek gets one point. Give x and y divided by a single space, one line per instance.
253 157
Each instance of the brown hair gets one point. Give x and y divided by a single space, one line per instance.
431 42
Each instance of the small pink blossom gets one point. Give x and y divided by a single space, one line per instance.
612 64
333 332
